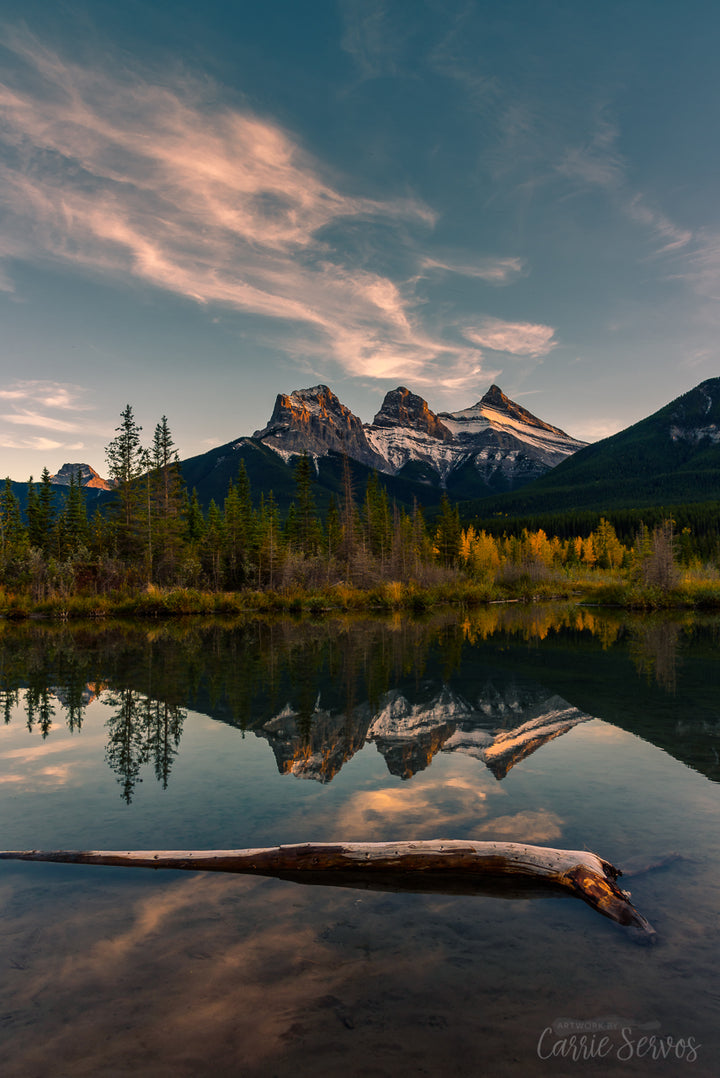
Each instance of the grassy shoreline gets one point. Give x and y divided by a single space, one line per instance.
393 596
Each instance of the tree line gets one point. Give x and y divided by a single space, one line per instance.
153 532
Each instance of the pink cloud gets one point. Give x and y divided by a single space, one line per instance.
123 177
495 271
517 338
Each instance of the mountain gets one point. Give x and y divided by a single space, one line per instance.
671 457
94 486
209 474
313 421
88 477
505 725
494 445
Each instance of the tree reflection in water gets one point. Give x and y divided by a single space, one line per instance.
139 731
496 683
654 651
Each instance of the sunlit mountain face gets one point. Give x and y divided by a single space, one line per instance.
502 726
503 442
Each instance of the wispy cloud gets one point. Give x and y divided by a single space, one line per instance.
671 236
33 419
30 402
495 271
596 161
61 395
517 338
367 37
699 268
39 443
157 183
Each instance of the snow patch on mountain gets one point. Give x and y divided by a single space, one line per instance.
399 719
400 445
696 434
505 442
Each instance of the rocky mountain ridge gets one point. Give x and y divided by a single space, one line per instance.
504 726
505 444
88 477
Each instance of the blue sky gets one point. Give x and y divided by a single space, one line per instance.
204 205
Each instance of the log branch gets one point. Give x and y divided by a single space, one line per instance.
358 863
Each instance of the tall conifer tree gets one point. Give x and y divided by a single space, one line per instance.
125 459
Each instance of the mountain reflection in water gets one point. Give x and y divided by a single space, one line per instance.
496 684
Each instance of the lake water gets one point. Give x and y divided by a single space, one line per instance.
556 726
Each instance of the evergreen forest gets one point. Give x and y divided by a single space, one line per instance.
153 548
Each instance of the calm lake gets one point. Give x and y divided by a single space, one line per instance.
558 726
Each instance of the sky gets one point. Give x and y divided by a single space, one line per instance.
204 205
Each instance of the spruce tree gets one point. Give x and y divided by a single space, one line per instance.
13 534
32 514
76 523
45 512
308 525
195 523
125 459
211 545
234 539
163 457
169 500
447 535
270 553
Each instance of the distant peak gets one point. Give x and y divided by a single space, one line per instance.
497 400
495 396
401 408
88 477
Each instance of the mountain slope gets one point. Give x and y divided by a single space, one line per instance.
210 473
672 456
493 445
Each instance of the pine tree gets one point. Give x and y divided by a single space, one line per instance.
447 535
45 512
308 526
238 530
125 458
376 517
163 457
13 534
168 501
211 545
333 530
195 523
75 513
248 521
32 512
349 518
270 548
421 541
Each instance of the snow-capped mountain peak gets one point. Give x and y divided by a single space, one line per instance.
401 408
314 421
504 443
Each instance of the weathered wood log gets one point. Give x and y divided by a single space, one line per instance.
578 871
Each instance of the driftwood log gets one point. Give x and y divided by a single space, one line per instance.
399 865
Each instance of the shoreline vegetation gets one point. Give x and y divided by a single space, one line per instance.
694 591
154 551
